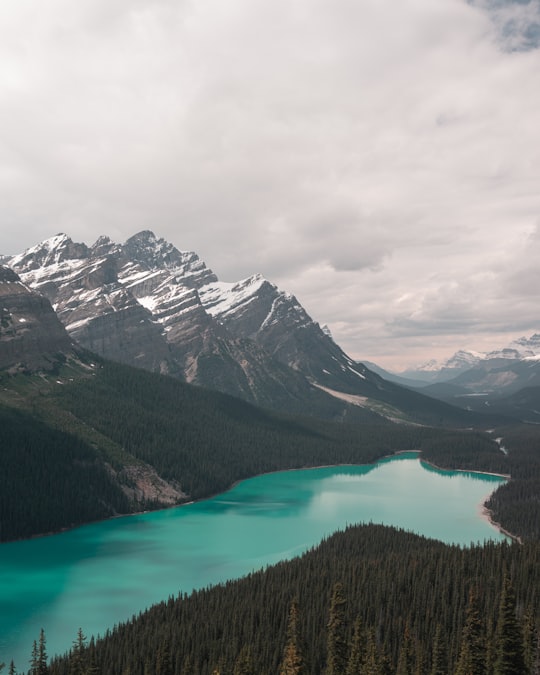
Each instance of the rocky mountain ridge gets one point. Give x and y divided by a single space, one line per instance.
145 303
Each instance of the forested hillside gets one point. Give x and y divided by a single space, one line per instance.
368 600
120 422
73 442
50 479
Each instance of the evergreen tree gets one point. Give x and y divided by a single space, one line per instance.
244 662
34 659
356 657
187 666
12 670
531 643
372 664
438 659
405 665
77 664
293 660
92 667
38 662
163 660
472 655
490 644
337 650
509 656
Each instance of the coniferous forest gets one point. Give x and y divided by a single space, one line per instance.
370 600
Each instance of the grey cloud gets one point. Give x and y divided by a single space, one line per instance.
517 22
367 157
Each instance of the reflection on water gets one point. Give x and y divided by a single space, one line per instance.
100 574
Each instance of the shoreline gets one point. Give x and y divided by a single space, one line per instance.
486 514
483 511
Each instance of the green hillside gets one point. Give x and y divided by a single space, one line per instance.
121 423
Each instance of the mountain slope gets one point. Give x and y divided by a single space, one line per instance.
144 440
147 304
31 336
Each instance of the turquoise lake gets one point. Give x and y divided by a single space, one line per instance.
100 574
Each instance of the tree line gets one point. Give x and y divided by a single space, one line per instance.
369 600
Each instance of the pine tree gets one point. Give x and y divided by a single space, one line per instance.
509 656
244 662
163 660
356 657
472 655
77 664
38 662
438 659
12 670
187 666
34 659
337 650
405 663
293 660
531 641
372 664
92 667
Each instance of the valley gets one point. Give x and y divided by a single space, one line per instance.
132 379
101 575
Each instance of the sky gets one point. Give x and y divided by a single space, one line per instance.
380 160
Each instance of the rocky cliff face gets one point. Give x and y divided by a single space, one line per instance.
31 336
148 304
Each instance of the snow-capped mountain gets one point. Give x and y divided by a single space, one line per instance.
148 304
486 376
527 346
437 371
464 360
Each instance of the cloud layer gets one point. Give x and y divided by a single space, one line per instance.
380 160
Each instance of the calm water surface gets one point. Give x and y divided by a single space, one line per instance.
101 574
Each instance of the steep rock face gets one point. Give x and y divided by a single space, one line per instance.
98 312
256 309
147 304
31 336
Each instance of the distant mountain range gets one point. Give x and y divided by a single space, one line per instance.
504 381
147 304
522 349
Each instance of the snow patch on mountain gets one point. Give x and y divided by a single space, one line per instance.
221 298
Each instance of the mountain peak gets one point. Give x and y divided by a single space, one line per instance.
102 245
144 247
51 251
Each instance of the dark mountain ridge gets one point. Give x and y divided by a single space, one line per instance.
31 336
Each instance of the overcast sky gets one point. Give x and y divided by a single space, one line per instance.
378 159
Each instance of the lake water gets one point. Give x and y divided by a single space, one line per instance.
100 574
